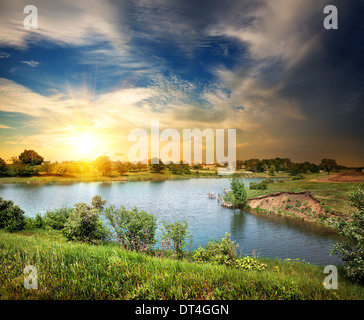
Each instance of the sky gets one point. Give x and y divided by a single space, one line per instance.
95 70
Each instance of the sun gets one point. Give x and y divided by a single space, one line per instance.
86 144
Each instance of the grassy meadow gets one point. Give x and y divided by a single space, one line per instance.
70 270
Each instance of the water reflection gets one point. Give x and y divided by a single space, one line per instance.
273 236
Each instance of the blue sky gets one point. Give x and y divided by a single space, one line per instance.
99 69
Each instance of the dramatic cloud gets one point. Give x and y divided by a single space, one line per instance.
266 68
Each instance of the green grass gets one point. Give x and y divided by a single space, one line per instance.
95 176
68 270
333 196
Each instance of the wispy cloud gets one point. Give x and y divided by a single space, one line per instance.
2 126
31 63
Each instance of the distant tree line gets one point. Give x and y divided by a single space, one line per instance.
30 163
286 165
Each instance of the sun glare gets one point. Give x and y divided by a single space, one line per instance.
86 144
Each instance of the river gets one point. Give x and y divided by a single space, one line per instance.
177 200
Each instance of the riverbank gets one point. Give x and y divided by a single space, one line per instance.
69 270
130 176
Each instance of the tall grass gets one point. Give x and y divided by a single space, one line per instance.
68 270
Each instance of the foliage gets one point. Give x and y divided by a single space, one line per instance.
104 165
328 165
223 252
352 248
239 192
97 202
35 223
179 168
19 169
267 181
134 229
157 167
3 167
298 177
174 236
84 225
11 216
30 157
57 218
75 271
258 186
121 168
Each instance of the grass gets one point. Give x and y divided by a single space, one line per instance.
68 270
333 196
94 176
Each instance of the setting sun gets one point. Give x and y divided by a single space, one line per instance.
86 144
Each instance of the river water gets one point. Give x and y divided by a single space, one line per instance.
177 200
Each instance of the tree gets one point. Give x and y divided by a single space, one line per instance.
352 247
240 196
11 216
98 203
158 167
104 165
85 225
133 229
30 157
3 167
272 169
328 165
121 168
174 235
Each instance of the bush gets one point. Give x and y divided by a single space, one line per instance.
57 218
174 236
258 186
36 223
134 229
11 216
84 225
352 248
97 202
240 195
267 181
298 177
223 252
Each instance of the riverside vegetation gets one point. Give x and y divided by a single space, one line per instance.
75 258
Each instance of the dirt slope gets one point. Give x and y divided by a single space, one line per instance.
299 205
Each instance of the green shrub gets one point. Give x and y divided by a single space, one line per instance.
133 229
223 252
84 225
97 202
35 223
57 218
240 195
174 236
267 181
11 216
257 186
298 177
352 248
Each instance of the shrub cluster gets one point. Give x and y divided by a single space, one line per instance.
258 186
352 248
11 216
223 252
133 229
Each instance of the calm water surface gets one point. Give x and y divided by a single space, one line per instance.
176 200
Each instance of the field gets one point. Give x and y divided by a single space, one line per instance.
333 196
68 270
